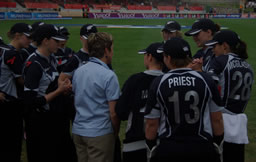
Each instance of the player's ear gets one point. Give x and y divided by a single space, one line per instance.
226 46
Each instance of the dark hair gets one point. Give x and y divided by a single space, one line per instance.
97 42
11 35
216 29
180 62
38 39
240 49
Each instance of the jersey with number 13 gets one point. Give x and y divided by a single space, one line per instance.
183 100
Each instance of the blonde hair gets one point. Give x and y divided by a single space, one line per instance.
97 42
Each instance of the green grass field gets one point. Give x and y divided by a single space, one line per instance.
127 42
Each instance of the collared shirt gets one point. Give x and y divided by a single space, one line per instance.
94 85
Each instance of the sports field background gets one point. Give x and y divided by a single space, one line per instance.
127 41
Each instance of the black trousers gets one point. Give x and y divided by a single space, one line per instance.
11 130
138 155
233 152
48 137
185 151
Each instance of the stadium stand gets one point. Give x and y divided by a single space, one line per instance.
139 7
166 8
36 5
6 4
106 7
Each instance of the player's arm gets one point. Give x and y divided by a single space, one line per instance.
114 119
151 128
124 103
217 123
15 63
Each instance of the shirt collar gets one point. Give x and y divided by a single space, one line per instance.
154 72
98 61
177 69
83 51
44 57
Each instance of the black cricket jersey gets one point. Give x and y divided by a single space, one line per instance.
131 104
40 78
62 56
26 52
235 78
207 55
183 100
77 60
11 63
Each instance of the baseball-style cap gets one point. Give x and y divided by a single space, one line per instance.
87 29
228 36
64 32
199 25
48 31
21 28
171 26
152 49
35 25
176 48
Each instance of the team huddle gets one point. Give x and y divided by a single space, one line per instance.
183 107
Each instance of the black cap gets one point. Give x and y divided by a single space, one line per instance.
35 25
48 31
152 49
87 29
176 48
228 36
21 28
172 26
64 32
201 24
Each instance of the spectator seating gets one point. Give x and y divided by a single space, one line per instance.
75 6
139 7
166 8
35 5
196 8
106 7
7 4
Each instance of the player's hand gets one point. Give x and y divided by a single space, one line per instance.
2 97
196 64
65 86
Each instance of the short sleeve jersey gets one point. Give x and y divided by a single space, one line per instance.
62 56
132 103
40 76
77 60
11 68
235 78
183 100
207 55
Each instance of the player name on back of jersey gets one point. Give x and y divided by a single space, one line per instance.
238 64
181 81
